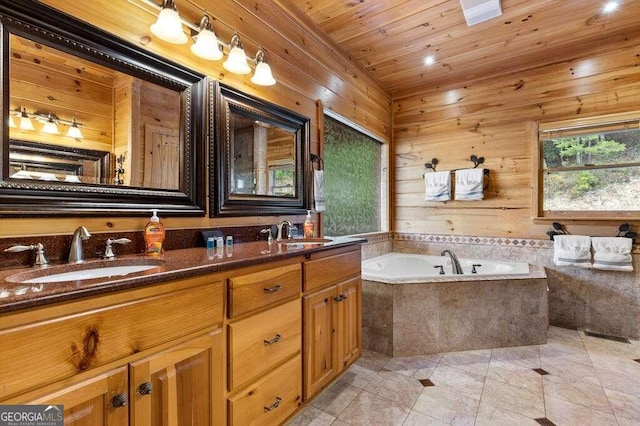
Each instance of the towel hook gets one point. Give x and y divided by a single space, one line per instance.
476 160
432 165
316 157
624 230
557 229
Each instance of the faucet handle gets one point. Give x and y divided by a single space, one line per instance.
268 232
40 260
290 228
108 251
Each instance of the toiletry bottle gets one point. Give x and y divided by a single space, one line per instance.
154 235
309 226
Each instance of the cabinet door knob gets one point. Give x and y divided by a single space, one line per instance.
273 406
145 388
273 289
272 341
339 298
120 400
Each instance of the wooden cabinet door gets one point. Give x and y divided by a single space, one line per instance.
320 361
101 400
179 386
349 326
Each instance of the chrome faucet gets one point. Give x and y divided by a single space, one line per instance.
108 251
75 253
39 260
290 227
455 263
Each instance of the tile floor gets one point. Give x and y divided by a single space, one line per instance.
574 379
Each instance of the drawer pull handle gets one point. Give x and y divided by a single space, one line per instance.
273 406
120 400
272 289
145 388
272 341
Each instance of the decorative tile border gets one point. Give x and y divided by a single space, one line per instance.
473 240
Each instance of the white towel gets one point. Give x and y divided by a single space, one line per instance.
318 190
469 184
437 186
572 250
612 253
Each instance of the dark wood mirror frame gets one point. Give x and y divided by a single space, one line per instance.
50 27
223 202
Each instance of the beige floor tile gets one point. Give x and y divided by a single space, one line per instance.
553 350
490 415
619 381
447 406
423 373
625 407
518 399
564 335
571 368
396 387
368 409
416 418
358 376
522 356
475 362
312 416
588 395
408 365
563 412
336 398
372 360
339 422
458 380
515 375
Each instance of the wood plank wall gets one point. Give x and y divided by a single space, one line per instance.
495 118
307 66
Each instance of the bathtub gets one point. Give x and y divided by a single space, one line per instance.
402 267
408 308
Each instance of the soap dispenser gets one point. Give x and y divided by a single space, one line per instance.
309 226
154 235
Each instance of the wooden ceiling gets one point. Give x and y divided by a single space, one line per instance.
391 38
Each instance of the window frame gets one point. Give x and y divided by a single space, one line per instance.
538 171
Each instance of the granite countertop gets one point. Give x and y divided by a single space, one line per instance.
173 264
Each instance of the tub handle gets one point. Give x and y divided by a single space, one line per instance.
473 268
441 269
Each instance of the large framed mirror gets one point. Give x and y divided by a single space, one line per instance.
262 157
93 125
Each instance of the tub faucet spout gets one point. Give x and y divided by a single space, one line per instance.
455 263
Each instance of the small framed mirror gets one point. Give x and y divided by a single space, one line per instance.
93 125
261 155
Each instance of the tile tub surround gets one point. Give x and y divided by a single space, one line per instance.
416 319
589 381
601 301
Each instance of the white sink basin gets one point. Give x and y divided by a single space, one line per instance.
91 273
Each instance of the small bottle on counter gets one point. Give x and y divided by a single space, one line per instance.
154 235
211 243
229 241
309 226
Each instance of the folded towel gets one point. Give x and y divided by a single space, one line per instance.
469 184
572 250
612 253
318 190
437 186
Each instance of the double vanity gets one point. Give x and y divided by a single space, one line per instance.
238 336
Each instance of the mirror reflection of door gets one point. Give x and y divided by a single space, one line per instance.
113 112
263 158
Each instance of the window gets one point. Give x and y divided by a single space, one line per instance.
589 168
354 174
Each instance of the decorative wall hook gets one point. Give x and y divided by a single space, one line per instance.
476 160
624 230
432 165
557 229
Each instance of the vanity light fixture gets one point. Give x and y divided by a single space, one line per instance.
25 120
263 75
206 45
12 123
237 60
74 130
610 6
50 126
168 27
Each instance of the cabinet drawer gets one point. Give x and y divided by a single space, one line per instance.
46 351
262 341
271 400
331 269
262 288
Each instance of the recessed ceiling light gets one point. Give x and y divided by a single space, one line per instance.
429 60
610 6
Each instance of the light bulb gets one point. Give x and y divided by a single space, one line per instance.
237 60
50 126
168 27
206 45
12 123
74 130
25 121
263 75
